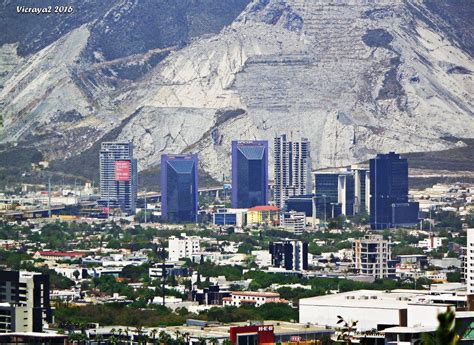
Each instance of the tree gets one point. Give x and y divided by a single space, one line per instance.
446 333
76 274
347 330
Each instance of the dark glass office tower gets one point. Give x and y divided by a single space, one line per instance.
388 189
249 173
326 188
179 187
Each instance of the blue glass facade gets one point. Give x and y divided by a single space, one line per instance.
388 187
225 218
301 203
326 188
179 188
249 173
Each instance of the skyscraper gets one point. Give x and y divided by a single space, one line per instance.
118 176
292 168
327 191
361 189
389 192
346 193
179 187
249 173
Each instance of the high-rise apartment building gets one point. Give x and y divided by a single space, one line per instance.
389 204
289 254
118 176
24 301
292 168
372 257
179 187
249 173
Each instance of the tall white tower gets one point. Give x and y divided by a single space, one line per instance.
292 168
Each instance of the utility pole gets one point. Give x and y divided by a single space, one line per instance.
145 206
324 197
49 196
163 273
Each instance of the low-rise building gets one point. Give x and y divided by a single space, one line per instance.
230 217
183 247
260 215
431 243
255 298
376 309
293 221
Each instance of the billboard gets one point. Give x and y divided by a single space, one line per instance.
122 171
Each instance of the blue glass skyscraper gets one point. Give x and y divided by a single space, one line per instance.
179 187
249 173
389 191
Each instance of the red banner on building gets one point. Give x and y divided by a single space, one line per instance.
122 171
261 335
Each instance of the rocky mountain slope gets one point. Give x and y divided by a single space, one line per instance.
354 77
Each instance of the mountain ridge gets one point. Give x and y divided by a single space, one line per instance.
356 79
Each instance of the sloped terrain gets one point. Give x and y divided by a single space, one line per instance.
355 78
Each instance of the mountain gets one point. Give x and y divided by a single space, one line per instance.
355 77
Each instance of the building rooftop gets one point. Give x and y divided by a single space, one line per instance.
409 330
398 299
264 208
255 294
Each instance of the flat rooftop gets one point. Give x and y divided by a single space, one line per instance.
219 330
377 299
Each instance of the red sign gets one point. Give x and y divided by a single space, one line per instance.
122 171
295 338
264 333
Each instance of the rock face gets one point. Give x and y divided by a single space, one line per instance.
356 78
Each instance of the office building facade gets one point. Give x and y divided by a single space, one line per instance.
118 176
327 194
361 190
24 301
292 168
249 173
389 203
372 257
179 188
292 255
346 193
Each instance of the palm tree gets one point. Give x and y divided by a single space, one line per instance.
127 331
153 335
120 331
164 338
214 341
446 332
346 331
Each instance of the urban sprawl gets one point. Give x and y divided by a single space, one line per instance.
343 255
